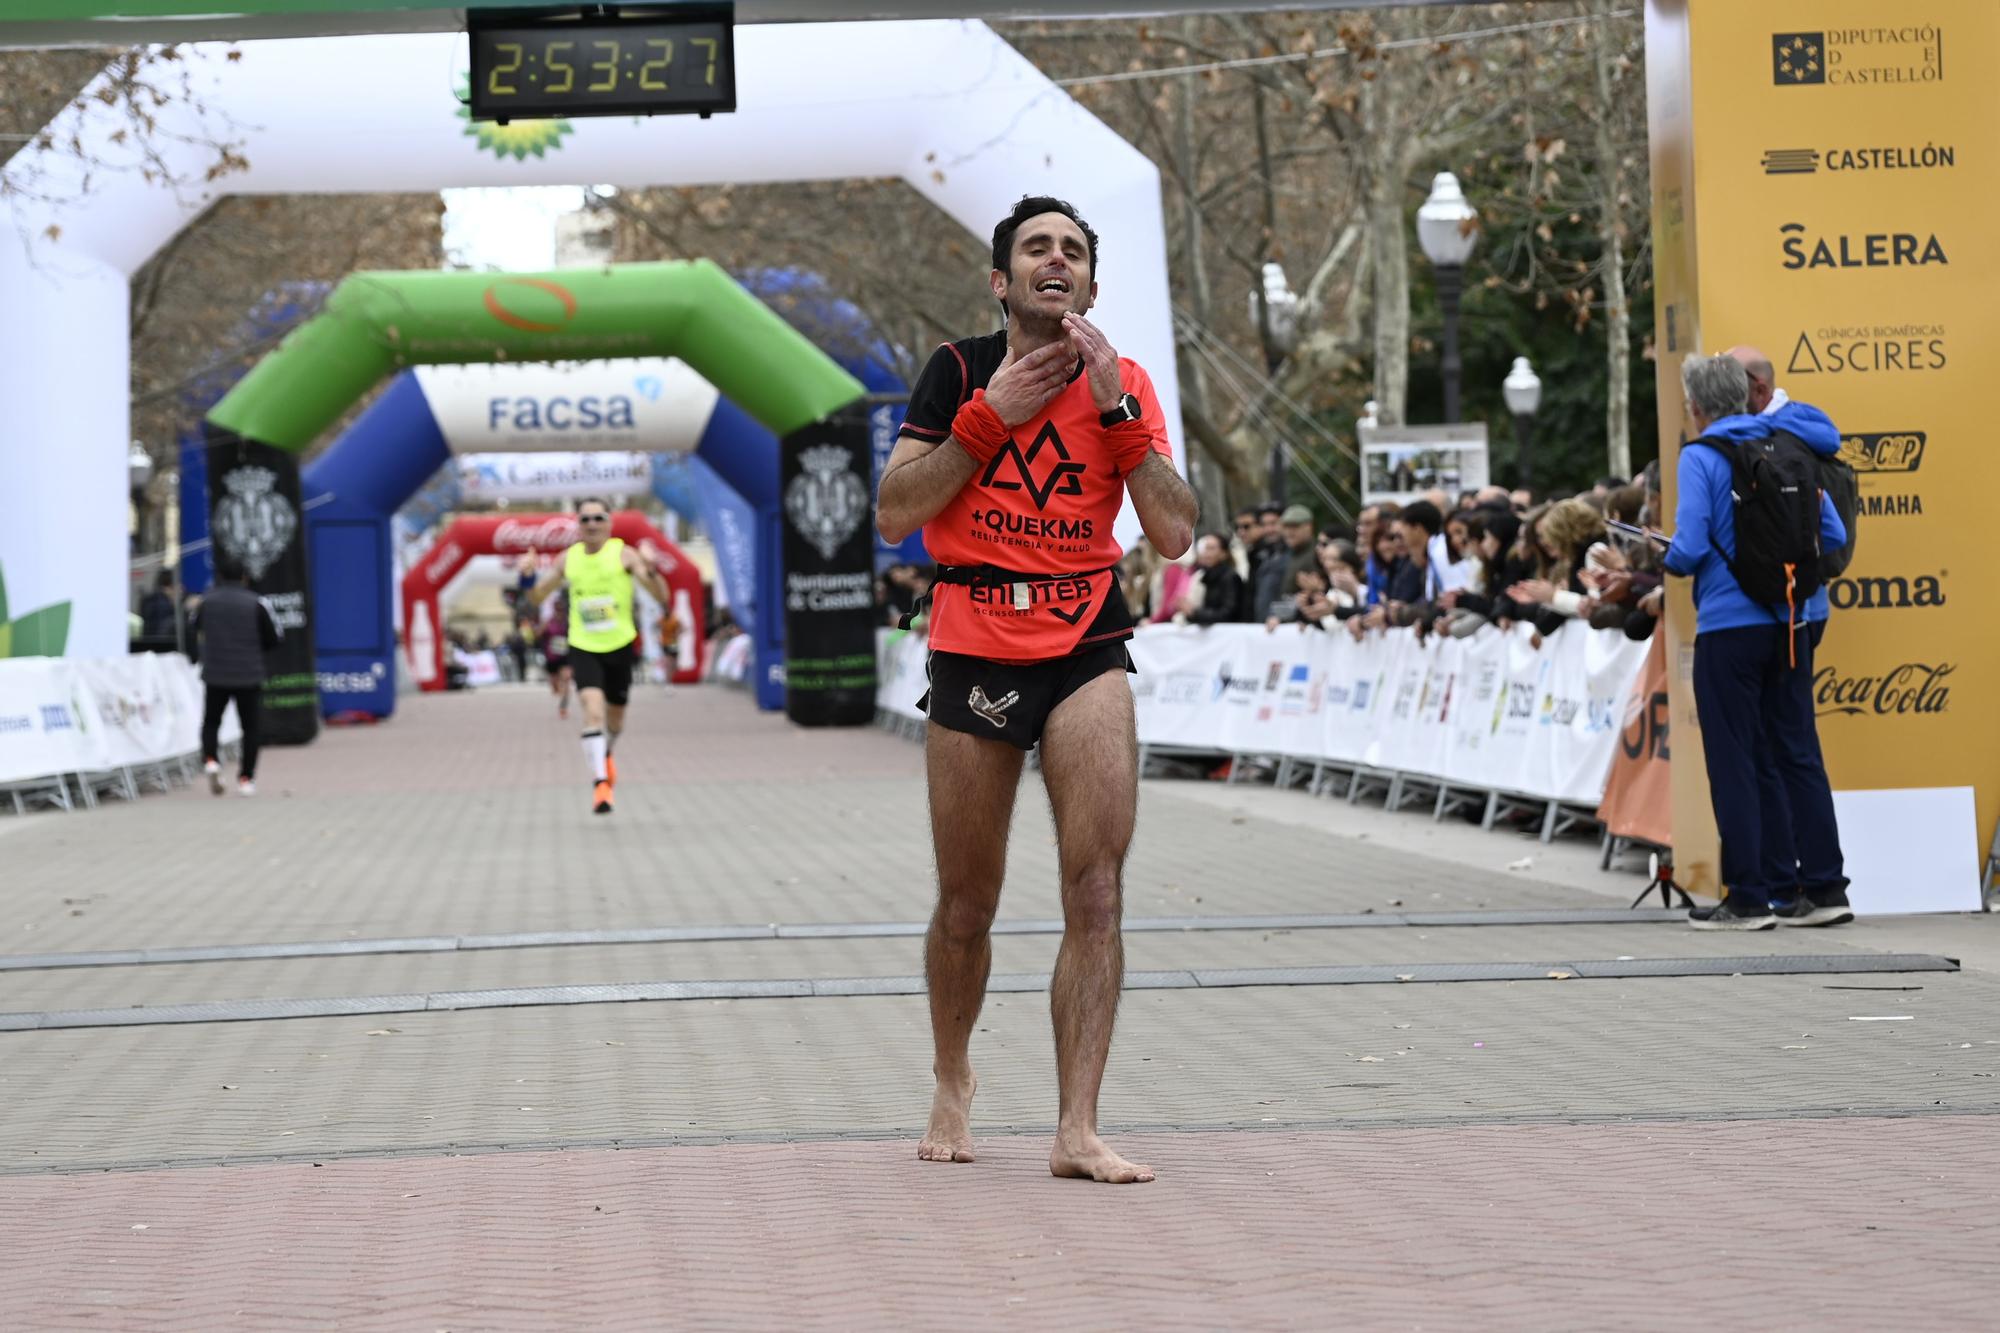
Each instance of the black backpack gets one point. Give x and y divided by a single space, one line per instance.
1837 479
1775 484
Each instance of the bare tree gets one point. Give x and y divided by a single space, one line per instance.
914 273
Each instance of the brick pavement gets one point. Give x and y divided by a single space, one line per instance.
1671 1225
1429 1155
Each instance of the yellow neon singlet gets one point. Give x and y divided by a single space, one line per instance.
600 598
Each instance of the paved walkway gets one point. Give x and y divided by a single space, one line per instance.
1764 1149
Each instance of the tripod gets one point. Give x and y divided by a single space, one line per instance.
1660 872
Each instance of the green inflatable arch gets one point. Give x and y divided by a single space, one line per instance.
376 324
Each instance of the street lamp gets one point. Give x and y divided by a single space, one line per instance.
1447 229
1274 309
1523 391
138 471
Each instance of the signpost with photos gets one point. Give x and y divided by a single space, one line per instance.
1400 463
1818 193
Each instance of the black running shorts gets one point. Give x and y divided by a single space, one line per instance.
610 672
1011 701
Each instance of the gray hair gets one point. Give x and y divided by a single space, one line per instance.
1716 386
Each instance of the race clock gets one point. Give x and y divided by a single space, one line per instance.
603 60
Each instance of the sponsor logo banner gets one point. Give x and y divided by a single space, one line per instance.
553 476
1875 56
1811 161
1869 349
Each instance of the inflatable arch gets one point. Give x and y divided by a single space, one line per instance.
965 120
374 322
429 579
354 489
709 460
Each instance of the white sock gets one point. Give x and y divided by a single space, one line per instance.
594 750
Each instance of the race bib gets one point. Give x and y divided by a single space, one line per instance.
597 612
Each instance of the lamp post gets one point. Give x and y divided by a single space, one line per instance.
138 472
1274 309
1523 391
1447 229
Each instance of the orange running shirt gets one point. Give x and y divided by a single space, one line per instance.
1044 505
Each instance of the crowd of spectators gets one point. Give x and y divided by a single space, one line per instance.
1439 563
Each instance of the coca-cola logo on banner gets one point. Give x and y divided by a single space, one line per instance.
1912 687
549 534
446 560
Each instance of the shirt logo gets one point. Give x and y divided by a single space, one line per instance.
1064 477
993 710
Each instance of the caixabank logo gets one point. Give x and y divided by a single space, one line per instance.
1887 55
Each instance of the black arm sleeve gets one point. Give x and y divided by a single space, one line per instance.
939 392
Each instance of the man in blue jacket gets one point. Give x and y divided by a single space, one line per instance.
1821 867
1753 679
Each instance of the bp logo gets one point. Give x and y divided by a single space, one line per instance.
518 139
826 502
253 523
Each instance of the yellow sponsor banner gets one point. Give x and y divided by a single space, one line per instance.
1822 177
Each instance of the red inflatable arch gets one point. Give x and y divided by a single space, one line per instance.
513 534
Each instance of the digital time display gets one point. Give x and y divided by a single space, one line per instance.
634 60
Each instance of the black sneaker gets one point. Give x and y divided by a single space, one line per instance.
1732 914
1826 908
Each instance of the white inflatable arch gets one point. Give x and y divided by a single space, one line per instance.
947 106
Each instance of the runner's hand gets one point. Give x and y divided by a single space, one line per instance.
1100 361
1020 389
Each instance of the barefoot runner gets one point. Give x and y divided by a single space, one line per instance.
598 570
1017 452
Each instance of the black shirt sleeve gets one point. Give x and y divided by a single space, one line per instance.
940 390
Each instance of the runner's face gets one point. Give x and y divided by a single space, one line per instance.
1050 273
593 525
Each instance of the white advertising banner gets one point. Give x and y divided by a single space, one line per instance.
901 678
554 476
42 717
135 718
1268 715
1184 674
636 404
1494 711
88 715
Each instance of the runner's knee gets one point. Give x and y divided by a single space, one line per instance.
1092 901
965 918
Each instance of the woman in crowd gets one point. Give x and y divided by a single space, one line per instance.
1346 587
1384 555
1138 578
1566 535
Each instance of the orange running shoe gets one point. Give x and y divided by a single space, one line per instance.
611 769
602 793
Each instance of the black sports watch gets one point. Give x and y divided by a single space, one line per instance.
1126 410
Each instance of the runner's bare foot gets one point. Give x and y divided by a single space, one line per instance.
949 1138
1087 1157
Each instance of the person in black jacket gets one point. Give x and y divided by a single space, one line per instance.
1222 598
236 630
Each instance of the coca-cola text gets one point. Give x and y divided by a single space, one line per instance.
1913 687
